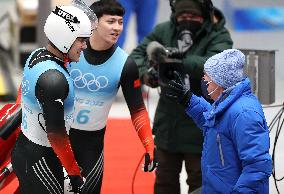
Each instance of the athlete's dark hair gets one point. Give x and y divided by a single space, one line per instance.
108 7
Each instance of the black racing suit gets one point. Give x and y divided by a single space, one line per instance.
88 143
42 147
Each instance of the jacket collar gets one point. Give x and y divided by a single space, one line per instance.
225 100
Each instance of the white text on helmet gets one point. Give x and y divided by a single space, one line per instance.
65 15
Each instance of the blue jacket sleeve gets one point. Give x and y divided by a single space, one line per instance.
195 109
251 138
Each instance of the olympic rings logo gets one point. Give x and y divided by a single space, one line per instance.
88 80
25 86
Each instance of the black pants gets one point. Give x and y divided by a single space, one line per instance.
37 167
88 150
169 168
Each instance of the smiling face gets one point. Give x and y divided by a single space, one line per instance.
76 48
108 30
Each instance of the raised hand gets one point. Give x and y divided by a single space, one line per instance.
178 91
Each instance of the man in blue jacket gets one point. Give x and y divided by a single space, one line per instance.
235 156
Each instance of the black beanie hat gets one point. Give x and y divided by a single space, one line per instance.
187 6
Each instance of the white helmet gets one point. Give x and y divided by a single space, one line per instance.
65 24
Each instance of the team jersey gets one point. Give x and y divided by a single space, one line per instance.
33 122
95 89
96 85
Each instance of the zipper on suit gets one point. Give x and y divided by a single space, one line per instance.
220 150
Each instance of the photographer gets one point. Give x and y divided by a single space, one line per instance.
197 31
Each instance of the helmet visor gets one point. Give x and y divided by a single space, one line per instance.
92 16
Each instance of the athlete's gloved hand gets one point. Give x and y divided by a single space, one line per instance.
177 90
77 183
149 165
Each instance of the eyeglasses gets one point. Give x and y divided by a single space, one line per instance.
206 81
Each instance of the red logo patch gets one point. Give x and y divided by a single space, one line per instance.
137 83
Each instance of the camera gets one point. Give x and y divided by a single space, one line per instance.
164 61
173 52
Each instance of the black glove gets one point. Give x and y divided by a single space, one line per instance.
76 182
150 78
177 90
149 166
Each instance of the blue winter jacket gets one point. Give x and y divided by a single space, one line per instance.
235 156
